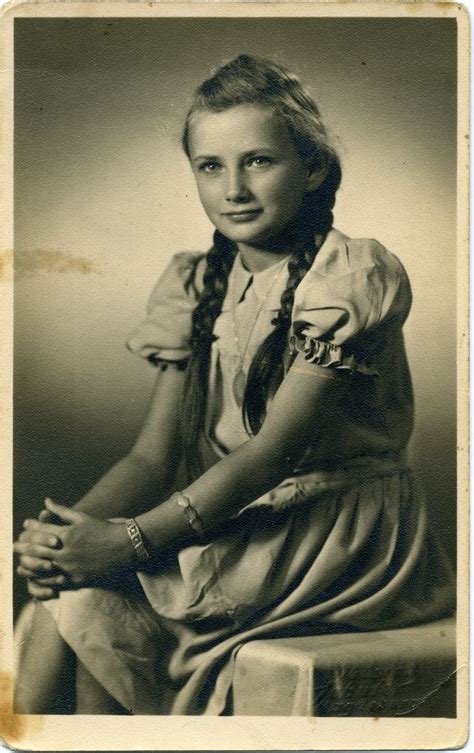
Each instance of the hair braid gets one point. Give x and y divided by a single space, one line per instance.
270 362
219 263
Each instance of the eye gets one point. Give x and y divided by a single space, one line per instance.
260 160
209 167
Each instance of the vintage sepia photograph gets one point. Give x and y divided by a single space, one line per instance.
238 326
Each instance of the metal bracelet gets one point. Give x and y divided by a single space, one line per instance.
191 513
136 538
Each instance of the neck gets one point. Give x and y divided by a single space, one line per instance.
258 259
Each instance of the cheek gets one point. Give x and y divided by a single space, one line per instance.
287 185
208 193
287 195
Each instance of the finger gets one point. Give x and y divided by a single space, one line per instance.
37 565
40 592
36 550
48 519
35 525
25 572
46 516
38 572
24 536
66 514
56 580
30 523
45 538
49 580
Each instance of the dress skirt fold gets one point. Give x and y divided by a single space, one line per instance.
320 554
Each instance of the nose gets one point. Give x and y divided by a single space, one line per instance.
237 189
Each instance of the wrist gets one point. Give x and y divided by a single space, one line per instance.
136 543
122 548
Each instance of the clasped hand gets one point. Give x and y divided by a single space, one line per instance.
75 550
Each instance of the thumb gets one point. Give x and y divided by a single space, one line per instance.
46 516
64 513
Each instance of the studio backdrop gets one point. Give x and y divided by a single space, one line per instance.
104 197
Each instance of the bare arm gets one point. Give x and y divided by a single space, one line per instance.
302 408
146 475
137 482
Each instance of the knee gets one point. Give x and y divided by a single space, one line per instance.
73 609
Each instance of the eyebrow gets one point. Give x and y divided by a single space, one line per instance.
205 157
250 153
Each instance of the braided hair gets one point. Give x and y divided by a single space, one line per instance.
219 264
253 80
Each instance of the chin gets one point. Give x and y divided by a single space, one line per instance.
247 238
247 235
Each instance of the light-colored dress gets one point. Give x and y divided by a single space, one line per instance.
343 544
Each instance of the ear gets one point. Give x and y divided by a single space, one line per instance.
316 176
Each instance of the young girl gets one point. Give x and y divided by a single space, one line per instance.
283 389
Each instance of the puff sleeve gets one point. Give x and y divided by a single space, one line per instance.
354 297
164 334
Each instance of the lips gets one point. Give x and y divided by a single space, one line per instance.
243 215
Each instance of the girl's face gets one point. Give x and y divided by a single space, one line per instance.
250 178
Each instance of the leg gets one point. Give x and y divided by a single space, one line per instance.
93 621
92 698
44 682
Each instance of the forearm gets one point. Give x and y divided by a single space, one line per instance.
303 407
299 416
242 476
235 481
131 486
145 476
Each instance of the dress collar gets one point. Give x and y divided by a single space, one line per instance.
240 278
261 283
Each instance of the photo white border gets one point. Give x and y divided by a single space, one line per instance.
229 733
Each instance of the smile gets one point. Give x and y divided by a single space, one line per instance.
243 216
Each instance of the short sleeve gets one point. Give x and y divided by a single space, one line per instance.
165 333
354 297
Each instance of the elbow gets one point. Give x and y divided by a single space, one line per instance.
144 465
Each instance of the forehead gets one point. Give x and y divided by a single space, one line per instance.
241 129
